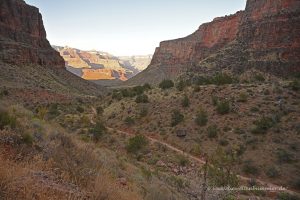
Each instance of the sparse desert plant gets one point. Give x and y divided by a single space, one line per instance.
143 98
250 168
259 77
201 118
147 86
27 138
223 107
176 117
42 112
136 143
243 97
222 79
272 172
215 100
100 110
182 160
295 85
185 101
166 84
262 125
180 85
7 120
129 121
80 109
287 196
197 88
143 112
212 131
98 130
53 110
284 156
221 171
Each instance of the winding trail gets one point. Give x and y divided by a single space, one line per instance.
202 161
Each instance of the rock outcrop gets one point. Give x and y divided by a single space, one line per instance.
265 36
23 36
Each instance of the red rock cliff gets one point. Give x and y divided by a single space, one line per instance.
264 36
23 36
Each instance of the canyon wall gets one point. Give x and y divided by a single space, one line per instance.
264 36
23 37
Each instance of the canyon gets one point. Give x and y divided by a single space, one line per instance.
100 66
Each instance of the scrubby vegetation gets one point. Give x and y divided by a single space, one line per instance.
176 118
136 143
166 84
201 118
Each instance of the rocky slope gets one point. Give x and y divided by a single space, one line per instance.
264 36
96 65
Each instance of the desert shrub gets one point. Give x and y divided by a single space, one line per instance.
176 117
7 120
147 86
262 125
223 107
243 97
143 98
180 85
138 90
80 109
53 110
100 110
136 143
197 88
214 100
182 160
284 156
295 85
144 112
287 196
212 131
222 79
185 101
250 168
254 109
201 118
129 121
27 138
117 95
4 92
42 112
259 77
166 84
98 130
223 142
272 172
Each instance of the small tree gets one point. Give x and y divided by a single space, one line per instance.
136 143
185 101
223 107
166 84
98 130
177 117
212 131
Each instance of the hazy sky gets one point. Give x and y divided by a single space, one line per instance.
127 27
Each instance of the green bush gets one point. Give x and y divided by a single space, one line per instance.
7 120
27 138
98 130
185 101
259 77
166 84
262 125
295 85
143 98
214 100
201 118
222 79
180 85
147 86
212 131
129 121
136 143
223 107
182 160
176 118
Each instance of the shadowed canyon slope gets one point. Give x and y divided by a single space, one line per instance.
26 56
265 36
96 65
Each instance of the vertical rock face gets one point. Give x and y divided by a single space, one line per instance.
264 36
23 36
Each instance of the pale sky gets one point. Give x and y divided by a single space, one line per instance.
127 27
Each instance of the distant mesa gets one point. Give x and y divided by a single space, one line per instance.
97 65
